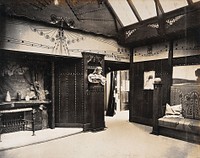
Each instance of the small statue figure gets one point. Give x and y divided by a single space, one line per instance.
37 91
96 76
27 98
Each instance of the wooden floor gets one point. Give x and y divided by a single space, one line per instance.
121 139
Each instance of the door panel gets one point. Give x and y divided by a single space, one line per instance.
69 94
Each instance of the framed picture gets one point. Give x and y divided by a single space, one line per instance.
149 77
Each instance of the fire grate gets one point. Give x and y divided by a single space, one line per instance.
14 125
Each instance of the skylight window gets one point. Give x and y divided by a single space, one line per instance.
123 11
145 8
195 1
169 5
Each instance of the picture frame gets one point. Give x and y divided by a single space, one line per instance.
149 77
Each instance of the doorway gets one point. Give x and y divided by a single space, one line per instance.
117 92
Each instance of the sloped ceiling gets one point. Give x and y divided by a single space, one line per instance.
87 15
103 17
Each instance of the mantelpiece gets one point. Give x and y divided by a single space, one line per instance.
22 104
29 115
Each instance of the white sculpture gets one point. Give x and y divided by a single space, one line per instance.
96 76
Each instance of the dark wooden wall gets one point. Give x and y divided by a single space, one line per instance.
141 101
191 60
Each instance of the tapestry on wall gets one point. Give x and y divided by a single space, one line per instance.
19 78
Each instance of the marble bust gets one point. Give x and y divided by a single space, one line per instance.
96 76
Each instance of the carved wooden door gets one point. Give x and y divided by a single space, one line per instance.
69 94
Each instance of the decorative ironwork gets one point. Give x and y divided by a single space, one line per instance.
14 125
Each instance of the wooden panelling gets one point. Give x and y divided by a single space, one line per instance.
142 100
191 60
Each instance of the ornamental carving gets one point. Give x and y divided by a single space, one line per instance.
130 32
171 21
94 60
155 26
191 105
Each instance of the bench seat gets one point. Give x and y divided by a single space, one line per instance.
181 124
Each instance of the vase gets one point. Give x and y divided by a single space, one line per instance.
8 97
27 98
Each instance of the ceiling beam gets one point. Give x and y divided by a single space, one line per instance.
68 3
159 8
161 20
148 33
190 2
134 10
109 6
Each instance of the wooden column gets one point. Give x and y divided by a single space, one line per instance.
131 92
93 94
86 112
170 63
52 125
157 104
1 126
33 121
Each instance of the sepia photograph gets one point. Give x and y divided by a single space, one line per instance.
99 79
